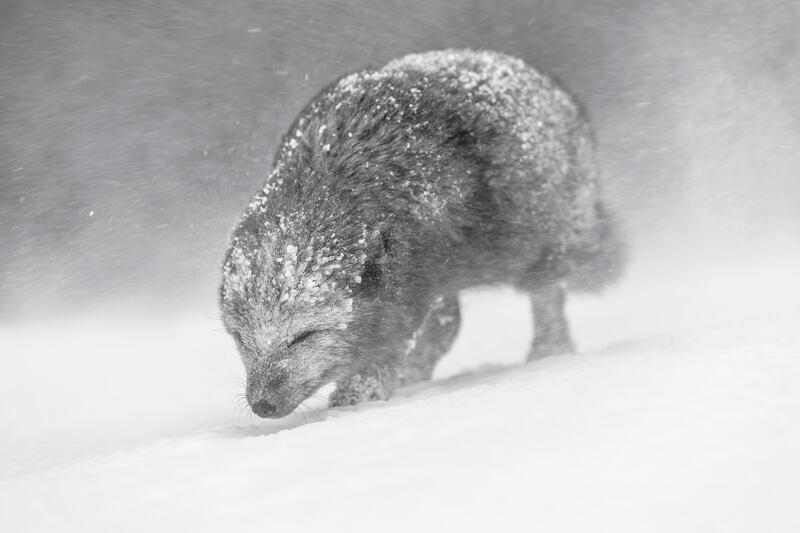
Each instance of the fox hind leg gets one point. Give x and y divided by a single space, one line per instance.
550 330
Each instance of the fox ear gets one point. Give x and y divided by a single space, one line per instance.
378 243
378 246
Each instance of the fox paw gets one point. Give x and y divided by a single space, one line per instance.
360 388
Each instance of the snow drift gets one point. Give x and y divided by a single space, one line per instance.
679 414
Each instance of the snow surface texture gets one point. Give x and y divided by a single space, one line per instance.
679 414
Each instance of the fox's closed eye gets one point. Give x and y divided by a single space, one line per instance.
303 336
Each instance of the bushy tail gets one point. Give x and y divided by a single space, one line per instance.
599 258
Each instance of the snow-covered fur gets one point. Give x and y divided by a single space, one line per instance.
393 190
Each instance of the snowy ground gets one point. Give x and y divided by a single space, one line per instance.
681 413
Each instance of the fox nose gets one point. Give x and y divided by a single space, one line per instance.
264 409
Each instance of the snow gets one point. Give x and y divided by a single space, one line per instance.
680 413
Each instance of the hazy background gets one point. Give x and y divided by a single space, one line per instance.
132 133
